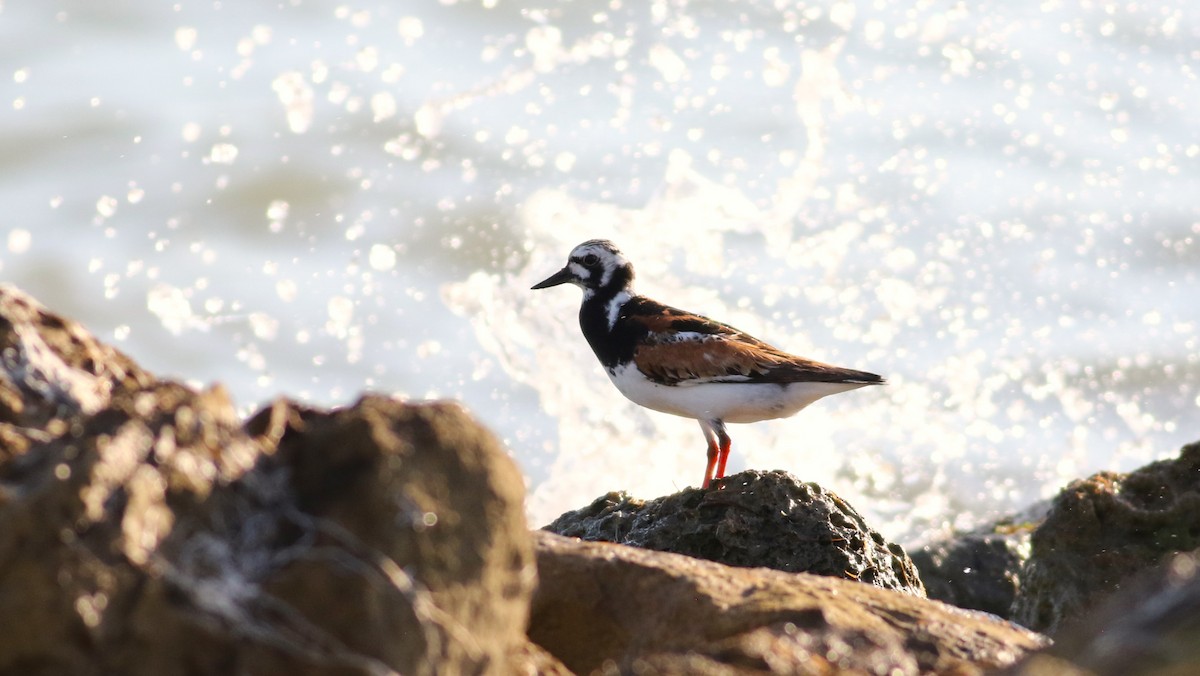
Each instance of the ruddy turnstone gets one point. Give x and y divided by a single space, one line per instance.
685 364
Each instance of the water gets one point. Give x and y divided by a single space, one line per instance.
993 206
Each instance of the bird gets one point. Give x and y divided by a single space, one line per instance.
685 364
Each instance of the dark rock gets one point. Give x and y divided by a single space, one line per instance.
630 610
1103 529
753 518
1150 628
145 530
978 570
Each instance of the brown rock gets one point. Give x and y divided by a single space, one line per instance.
85 519
753 518
1104 529
425 496
629 610
531 659
144 530
53 370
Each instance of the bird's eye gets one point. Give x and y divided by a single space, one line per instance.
591 259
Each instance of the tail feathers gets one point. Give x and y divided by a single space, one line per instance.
864 377
823 373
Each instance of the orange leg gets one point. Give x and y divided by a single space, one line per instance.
713 454
718 450
723 456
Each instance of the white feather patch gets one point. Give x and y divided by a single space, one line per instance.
614 308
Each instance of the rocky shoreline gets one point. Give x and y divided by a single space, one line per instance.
146 529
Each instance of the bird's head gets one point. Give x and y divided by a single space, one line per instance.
594 266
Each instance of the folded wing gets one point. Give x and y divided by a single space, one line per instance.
680 349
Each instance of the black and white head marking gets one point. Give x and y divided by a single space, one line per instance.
604 274
597 267
595 264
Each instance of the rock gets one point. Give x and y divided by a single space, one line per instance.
753 518
978 570
145 530
1151 628
1103 529
631 610
531 659
52 371
425 496
83 517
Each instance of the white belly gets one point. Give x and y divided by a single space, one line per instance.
730 402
